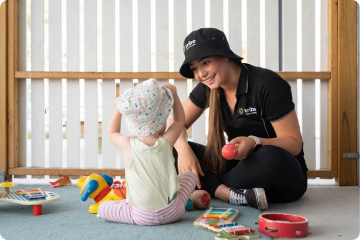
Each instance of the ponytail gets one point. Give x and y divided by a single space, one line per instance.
213 158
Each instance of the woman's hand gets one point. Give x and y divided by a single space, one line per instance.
188 161
245 146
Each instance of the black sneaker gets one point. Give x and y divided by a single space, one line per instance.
254 197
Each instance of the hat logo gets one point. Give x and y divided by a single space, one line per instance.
189 45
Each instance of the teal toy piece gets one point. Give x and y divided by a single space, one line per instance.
189 204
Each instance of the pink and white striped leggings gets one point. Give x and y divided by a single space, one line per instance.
122 211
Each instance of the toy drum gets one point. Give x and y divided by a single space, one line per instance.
283 225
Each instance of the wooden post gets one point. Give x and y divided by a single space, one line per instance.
333 85
13 65
3 87
347 98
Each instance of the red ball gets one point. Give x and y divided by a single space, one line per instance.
229 151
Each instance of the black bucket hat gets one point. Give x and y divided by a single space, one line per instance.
202 43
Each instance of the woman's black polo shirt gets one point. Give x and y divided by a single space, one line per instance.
262 97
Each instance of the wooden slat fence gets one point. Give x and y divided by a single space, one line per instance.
75 56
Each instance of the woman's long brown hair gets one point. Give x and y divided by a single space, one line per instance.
213 158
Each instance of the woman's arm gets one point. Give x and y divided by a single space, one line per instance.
186 157
288 137
288 134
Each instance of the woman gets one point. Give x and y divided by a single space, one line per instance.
254 107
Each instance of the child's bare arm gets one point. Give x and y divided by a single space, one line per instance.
120 141
174 130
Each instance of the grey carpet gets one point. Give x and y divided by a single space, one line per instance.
68 218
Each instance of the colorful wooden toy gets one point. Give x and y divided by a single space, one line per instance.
99 188
223 235
227 214
32 194
220 220
228 230
214 225
35 198
229 151
6 186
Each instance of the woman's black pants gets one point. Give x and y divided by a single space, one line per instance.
270 167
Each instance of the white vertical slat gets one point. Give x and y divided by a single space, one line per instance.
235 30
198 14
162 37
198 21
179 36
308 87
253 32
126 54
73 130
22 84
324 36
55 86
127 38
108 86
324 87
272 34
216 14
290 42
37 85
91 97
127 47
144 35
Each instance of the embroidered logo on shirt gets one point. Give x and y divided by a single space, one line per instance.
248 111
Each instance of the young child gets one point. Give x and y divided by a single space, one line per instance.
155 194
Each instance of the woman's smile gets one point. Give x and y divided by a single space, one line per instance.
209 80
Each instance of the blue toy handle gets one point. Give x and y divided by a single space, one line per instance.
89 189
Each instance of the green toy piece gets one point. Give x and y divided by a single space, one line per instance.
223 235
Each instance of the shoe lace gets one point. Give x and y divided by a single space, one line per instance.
237 198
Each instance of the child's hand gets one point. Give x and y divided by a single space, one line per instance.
171 87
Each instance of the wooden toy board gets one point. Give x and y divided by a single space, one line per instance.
35 194
15 197
218 212
220 220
